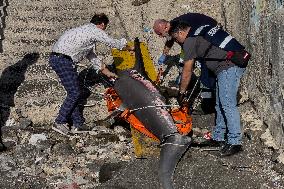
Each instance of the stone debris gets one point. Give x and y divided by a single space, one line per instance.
37 157
268 140
24 122
65 161
139 2
37 137
104 156
280 158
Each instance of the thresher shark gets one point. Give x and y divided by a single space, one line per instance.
136 99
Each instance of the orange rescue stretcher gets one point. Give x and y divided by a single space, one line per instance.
181 117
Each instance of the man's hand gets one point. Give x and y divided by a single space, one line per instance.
186 75
162 59
128 48
108 73
111 75
181 98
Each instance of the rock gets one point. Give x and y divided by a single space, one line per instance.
268 140
37 137
69 186
99 128
24 122
94 167
10 122
274 156
139 2
105 123
107 137
108 170
280 158
2 147
7 163
279 168
8 144
45 145
63 149
119 129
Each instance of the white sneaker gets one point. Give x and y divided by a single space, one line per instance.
61 128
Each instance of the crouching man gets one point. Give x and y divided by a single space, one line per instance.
228 71
74 45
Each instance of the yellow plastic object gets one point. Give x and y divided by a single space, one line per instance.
125 60
144 147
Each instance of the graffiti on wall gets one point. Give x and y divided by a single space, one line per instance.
279 4
259 7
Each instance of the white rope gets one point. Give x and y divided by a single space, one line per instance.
102 94
194 88
152 106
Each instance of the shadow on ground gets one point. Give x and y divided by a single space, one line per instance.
12 77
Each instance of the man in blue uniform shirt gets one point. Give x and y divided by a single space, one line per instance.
228 74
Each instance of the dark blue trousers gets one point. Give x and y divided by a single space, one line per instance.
69 110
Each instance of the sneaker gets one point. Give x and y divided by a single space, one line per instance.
61 128
230 149
212 143
81 128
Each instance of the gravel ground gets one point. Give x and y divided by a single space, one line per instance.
104 159
203 168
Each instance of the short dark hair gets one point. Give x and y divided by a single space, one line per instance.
98 19
177 26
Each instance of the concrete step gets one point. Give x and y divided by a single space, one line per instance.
37 87
27 31
58 25
50 18
45 12
12 57
27 45
33 25
25 22
70 4
33 33
9 59
35 30
30 41
48 12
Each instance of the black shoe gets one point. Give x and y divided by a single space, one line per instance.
2 147
230 149
212 143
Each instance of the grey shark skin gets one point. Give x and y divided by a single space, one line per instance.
142 97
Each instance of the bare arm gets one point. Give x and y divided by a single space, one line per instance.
168 45
107 72
98 65
186 75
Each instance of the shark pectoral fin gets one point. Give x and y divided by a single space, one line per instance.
172 150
